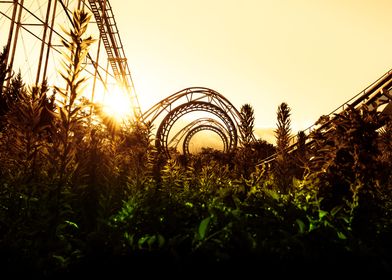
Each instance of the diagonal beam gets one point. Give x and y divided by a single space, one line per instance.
108 30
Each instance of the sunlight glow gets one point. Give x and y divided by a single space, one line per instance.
116 103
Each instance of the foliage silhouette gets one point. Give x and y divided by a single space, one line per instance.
79 198
283 136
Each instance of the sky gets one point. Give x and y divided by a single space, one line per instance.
314 55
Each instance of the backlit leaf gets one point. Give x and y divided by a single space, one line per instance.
203 227
301 225
322 214
341 235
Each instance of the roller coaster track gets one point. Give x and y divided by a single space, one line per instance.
107 26
199 125
377 96
200 99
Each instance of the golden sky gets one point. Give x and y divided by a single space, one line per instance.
314 55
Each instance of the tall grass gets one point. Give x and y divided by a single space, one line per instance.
77 196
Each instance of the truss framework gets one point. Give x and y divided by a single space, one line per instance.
199 124
198 128
377 96
41 21
189 100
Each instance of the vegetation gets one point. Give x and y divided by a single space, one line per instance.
282 164
79 198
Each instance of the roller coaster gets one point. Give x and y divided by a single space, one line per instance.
107 62
226 122
377 96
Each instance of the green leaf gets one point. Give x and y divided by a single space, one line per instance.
188 204
203 227
301 225
129 238
273 194
335 210
322 214
61 259
312 226
341 235
72 224
142 240
346 219
151 240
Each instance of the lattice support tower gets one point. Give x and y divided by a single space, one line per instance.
37 23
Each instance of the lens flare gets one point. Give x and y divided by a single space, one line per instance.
117 104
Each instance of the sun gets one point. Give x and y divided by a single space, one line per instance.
116 103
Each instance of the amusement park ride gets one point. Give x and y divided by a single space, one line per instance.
40 22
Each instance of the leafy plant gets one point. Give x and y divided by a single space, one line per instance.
283 137
70 123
